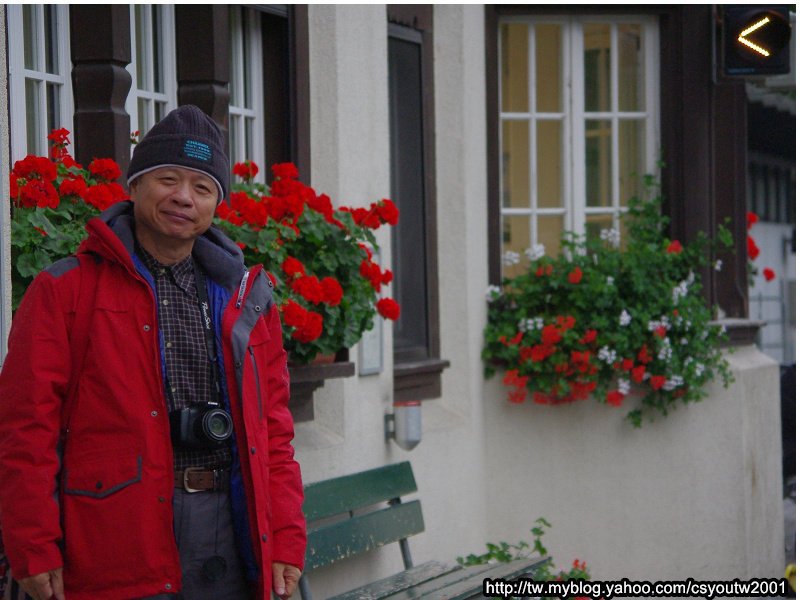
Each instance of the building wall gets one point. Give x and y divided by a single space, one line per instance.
695 494
5 215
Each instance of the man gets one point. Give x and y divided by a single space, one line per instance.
145 438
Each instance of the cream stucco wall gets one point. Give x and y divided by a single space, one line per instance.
697 494
5 216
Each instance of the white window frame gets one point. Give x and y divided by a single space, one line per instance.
145 90
573 118
18 75
239 115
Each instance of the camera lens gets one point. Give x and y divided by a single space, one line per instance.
217 425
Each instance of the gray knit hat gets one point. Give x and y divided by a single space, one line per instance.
187 137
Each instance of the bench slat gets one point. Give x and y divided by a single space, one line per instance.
336 541
463 583
400 581
351 492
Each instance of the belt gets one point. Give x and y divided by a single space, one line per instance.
198 479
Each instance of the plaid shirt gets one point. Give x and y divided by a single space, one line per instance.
188 374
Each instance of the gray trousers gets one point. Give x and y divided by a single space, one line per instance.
203 529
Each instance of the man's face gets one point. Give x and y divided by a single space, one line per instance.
173 204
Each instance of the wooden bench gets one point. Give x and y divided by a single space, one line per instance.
354 514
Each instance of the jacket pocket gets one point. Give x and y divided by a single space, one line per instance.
257 378
102 476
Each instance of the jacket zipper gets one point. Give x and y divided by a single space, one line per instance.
258 382
242 289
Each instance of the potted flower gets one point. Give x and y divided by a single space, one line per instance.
52 198
610 319
320 260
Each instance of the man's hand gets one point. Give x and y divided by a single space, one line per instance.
44 585
284 579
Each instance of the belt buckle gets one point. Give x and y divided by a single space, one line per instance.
186 472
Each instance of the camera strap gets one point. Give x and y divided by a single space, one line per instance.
208 327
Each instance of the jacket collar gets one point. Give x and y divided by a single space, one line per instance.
111 234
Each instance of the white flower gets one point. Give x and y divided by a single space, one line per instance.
665 353
493 293
610 281
684 342
673 382
698 370
624 318
610 235
624 386
510 258
536 252
718 265
607 355
531 324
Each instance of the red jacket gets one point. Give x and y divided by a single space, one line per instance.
88 483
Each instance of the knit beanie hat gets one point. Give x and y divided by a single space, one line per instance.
187 137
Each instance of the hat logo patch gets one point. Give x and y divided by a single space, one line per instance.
197 150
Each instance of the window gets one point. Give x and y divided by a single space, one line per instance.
154 88
417 367
39 75
578 115
246 111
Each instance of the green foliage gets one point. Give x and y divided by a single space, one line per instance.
616 321
503 552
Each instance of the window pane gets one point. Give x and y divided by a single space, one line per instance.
548 232
50 39
53 106
631 159
598 163
143 111
158 75
548 68
516 164
514 67
161 110
596 223
549 169
249 150
597 67
31 35
631 68
141 51
234 136
516 239
246 62
33 117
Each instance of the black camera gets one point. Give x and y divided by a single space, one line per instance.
200 426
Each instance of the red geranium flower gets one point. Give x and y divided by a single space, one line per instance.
38 193
331 291
614 398
660 331
752 249
310 330
388 211
674 247
752 219
105 168
388 309
769 274
245 170
32 166
285 171
657 381
309 288
637 374
589 336
293 267
73 187
575 276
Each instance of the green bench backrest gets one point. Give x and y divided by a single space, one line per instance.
331 540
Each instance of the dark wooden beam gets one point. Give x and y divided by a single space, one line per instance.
100 43
202 46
